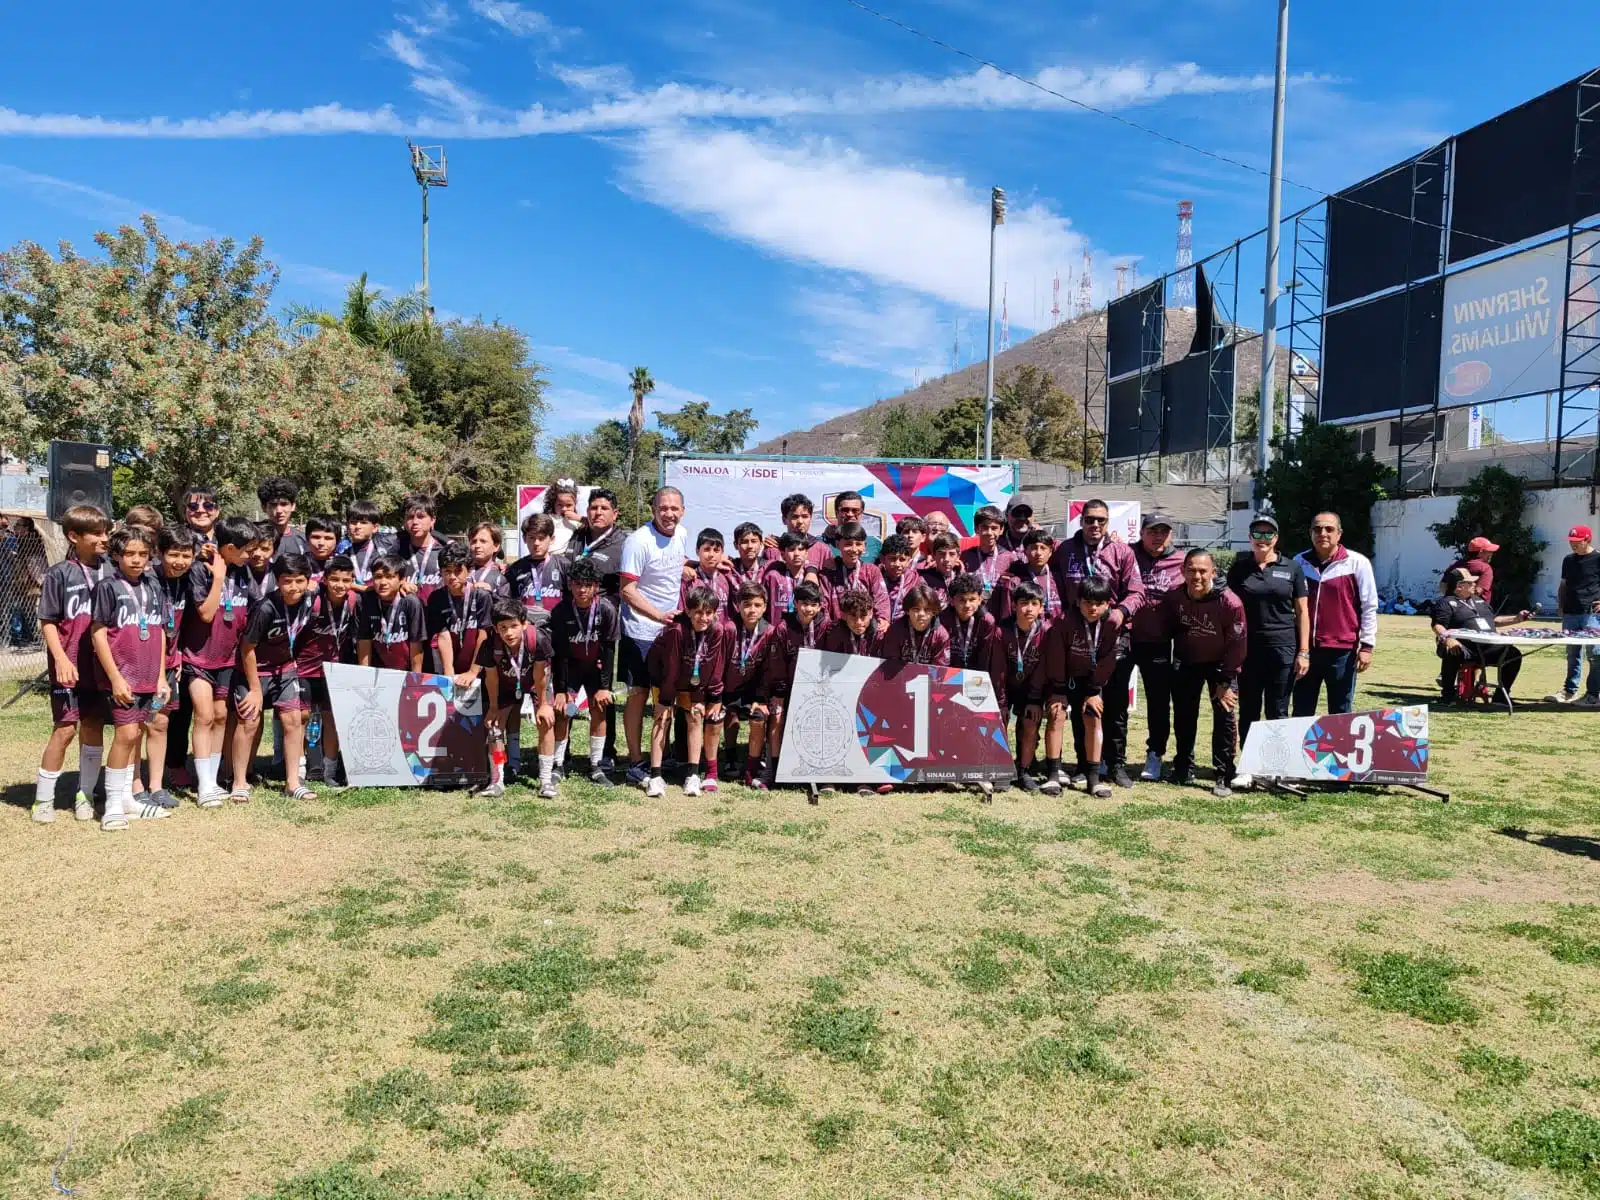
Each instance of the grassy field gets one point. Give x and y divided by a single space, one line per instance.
398 996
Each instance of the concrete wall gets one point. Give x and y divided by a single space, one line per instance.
1408 558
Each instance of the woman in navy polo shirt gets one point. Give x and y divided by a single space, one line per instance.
1273 589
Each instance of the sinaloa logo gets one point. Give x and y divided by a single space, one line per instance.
701 469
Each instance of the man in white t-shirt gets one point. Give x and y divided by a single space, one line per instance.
651 571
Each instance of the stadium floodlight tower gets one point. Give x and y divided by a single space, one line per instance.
428 165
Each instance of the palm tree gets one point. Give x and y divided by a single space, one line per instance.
642 386
369 317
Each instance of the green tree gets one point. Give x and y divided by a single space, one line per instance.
165 351
641 385
1494 504
908 434
1321 469
597 458
393 324
1033 418
696 429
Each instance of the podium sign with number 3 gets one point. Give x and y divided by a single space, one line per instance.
1387 746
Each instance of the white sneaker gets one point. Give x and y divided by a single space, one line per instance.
1243 782
44 812
1074 778
82 807
656 788
691 786
142 810
1561 697
710 786
492 791
1152 768
547 789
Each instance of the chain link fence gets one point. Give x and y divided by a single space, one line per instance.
28 546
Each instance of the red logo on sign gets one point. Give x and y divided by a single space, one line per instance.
1468 378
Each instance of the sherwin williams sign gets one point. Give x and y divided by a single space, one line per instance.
1502 328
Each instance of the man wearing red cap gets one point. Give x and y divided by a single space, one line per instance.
1578 598
1479 551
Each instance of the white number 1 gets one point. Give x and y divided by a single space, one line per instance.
917 689
431 705
1361 757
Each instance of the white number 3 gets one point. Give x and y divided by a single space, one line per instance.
1361 756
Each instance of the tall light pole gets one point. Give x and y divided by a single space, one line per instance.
1269 309
997 218
428 165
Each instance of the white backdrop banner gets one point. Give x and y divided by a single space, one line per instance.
1124 517
721 493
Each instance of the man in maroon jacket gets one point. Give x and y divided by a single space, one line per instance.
1161 570
1209 642
1091 552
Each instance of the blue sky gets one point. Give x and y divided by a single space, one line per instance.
779 205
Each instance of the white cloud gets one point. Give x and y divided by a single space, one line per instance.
406 50
513 18
432 79
563 358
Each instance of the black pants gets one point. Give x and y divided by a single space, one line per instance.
1154 660
1188 681
1265 683
179 715
1114 719
1507 658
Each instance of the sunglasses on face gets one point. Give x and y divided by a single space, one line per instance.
202 506
1263 535
1095 520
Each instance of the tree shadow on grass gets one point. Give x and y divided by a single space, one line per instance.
1561 843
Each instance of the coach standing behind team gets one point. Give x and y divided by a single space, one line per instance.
1277 614
1343 598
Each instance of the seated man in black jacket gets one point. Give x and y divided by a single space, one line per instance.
1460 609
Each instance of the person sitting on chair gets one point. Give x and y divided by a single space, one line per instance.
1460 608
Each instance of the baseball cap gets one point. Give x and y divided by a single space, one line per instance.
1580 533
1156 518
1458 575
1265 518
1479 544
1020 507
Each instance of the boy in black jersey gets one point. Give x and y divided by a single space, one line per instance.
1023 686
800 629
393 629
267 656
367 545
178 545
329 638
583 640
322 542
534 580
516 663
457 617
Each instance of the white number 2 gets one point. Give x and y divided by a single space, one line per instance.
917 689
1361 757
432 707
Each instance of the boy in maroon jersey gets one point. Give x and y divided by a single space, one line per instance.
322 540
709 573
918 637
329 637
457 615
419 549
944 564
747 681
915 531
1080 655
392 630
1032 568
796 511
1023 686
1209 642
988 560
66 601
267 656
784 576
895 566
685 665
583 640
535 579
747 567
974 633
178 545
855 629
848 573
516 663
218 608
258 557
129 635
800 629
361 519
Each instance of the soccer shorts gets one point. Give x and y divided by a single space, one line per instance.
281 693
70 705
631 669
220 678
137 713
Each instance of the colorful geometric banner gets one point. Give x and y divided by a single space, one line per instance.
407 729
1387 745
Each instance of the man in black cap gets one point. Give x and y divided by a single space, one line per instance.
1019 521
1161 568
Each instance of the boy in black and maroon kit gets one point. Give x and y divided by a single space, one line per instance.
855 629
267 661
322 541
786 575
974 633
849 573
944 564
258 557
419 549
535 579
515 663
685 665
1080 656
918 637
899 575
278 497
1032 567
178 546
129 634
329 638
796 512
1024 690
988 560
747 681
214 619
799 629
747 567
393 630
66 601
583 640
367 545
1207 628
457 615
708 573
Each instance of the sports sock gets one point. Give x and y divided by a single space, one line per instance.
514 753
89 758
205 775
1092 771
561 754
44 788
119 790
215 761
596 751
547 764
1051 767
711 765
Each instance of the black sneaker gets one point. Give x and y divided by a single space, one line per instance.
1027 783
1184 776
1120 777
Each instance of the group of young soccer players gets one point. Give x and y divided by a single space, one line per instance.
190 632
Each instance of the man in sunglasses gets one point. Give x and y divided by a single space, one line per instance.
1092 552
1343 597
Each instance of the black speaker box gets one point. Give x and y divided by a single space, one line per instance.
80 473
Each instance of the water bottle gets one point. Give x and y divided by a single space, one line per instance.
314 729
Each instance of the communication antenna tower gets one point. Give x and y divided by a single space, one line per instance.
1055 300
1122 280
428 165
1183 293
1085 288
1005 319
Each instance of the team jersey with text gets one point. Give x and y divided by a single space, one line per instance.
67 602
392 628
212 645
135 618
